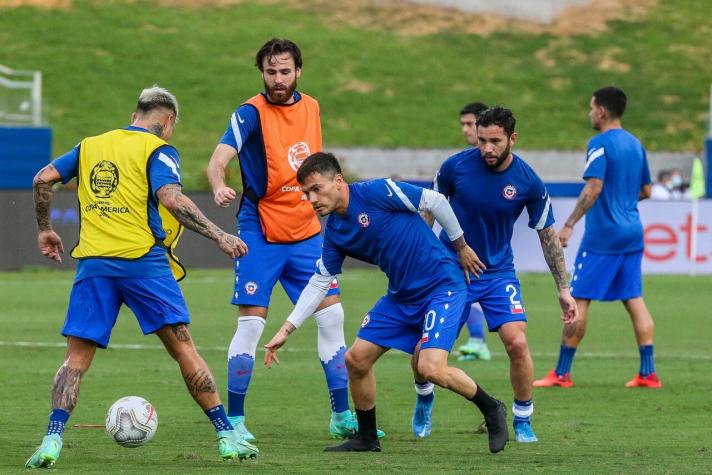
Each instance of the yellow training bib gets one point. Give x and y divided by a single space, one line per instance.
114 191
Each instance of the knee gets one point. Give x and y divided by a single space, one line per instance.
646 326
357 365
431 370
517 348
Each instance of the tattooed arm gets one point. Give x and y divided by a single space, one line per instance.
188 214
586 199
554 256
48 241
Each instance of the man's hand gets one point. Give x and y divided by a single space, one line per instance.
50 245
568 306
565 234
470 263
279 339
231 245
224 196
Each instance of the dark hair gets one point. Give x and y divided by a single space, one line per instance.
500 116
474 108
664 175
320 162
277 46
612 99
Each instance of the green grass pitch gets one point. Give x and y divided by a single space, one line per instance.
597 426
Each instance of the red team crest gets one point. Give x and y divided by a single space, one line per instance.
251 288
364 220
509 192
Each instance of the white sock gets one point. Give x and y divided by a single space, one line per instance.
423 389
247 336
330 331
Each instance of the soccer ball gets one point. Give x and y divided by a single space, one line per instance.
132 421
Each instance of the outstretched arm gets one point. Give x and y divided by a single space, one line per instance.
190 216
436 204
222 193
308 302
48 241
586 199
554 256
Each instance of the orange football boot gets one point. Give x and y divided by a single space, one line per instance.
649 381
553 379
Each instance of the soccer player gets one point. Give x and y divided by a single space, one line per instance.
476 346
505 185
126 180
378 222
608 263
272 133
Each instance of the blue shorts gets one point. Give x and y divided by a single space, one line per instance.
95 302
607 276
435 323
265 263
500 299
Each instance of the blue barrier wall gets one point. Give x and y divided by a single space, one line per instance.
708 163
23 151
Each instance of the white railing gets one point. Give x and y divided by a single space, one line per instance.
30 109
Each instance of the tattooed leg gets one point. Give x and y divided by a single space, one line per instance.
65 387
196 374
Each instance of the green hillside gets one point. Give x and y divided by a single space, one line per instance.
377 86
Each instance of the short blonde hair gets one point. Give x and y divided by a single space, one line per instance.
155 97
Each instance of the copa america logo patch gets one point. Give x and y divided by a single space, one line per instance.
509 192
364 220
366 320
251 288
297 153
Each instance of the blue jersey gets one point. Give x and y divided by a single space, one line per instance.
613 224
487 203
382 227
244 134
164 169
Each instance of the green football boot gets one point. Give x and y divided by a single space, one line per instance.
46 454
231 446
475 349
343 425
238 422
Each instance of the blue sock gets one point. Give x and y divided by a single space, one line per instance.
426 399
337 381
57 419
218 418
425 392
647 363
566 359
522 410
476 322
239 373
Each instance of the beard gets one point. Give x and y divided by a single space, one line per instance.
281 94
500 159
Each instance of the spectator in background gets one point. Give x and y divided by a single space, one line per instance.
662 189
677 183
